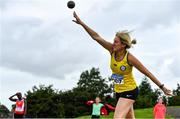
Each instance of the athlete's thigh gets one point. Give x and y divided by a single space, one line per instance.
122 108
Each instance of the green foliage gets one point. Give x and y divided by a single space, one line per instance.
147 97
4 112
47 102
41 101
92 82
175 100
177 91
145 87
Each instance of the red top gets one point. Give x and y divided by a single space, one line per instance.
19 107
159 111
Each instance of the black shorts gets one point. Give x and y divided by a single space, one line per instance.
18 115
132 94
95 116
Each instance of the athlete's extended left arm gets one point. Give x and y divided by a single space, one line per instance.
136 63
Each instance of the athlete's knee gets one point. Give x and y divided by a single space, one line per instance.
130 115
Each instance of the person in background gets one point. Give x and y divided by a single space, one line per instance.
99 108
159 109
20 106
96 107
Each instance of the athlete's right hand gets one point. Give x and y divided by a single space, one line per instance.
77 19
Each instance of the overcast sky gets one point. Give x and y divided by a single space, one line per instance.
41 45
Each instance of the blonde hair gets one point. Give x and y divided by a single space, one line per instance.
125 38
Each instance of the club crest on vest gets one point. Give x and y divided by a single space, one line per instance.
122 68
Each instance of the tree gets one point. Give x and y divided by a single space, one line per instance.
145 87
92 82
177 91
90 85
4 112
175 100
75 102
43 102
147 97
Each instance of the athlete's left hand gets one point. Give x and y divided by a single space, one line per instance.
77 19
166 91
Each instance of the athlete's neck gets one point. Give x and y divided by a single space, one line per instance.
120 54
97 103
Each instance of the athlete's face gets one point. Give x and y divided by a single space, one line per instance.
97 100
160 101
118 45
19 95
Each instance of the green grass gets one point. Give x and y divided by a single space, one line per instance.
139 113
174 106
147 113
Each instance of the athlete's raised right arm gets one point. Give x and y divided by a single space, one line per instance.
12 99
107 45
